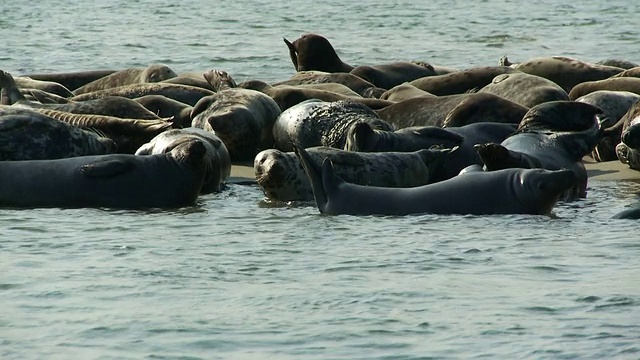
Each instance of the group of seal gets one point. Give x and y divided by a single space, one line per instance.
405 133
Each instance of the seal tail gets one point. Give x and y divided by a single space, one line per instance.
315 175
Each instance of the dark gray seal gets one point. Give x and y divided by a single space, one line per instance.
554 135
32 136
320 123
362 137
315 52
452 110
509 191
281 176
151 74
168 180
353 82
525 89
629 214
623 64
387 76
242 118
217 157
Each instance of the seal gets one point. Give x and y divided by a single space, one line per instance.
452 110
554 135
628 150
353 82
42 97
281 176
615 105
242 118
217 157
525 89
319 123
287 96
508 191
460 82
108 106
403 92
387 76
72 80
315 52
168 180
27 135
48 86
630 214
362 137
630 84
631 72
183 93
565 71
623 64
167 108
151 74
190 81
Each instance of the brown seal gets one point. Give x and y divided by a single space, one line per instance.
353 82
242 118
630 84
452 110
72 80
315 52
387 76
623 64
525 89
632 72
48 86
183 93
460 82
404 91
566 72
151 74
167 108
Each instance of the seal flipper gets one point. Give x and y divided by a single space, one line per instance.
106 168
315 176
293 53
497 157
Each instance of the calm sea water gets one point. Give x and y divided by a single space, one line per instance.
238 278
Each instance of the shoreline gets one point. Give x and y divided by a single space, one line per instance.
242 173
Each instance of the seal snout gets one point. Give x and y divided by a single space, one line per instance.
631 136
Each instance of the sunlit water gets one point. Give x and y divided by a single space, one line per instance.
236 277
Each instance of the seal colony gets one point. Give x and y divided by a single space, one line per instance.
397 138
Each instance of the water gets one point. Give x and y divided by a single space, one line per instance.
235 277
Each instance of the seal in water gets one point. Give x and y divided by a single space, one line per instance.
319 123
554 135
630 214
27 135
242 118
217 157
151 74
168 180
508 191
281 176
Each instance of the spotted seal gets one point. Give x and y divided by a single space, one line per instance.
217 157
281 176
168 180
508 191
320 123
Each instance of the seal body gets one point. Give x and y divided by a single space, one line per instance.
167 108
353 82
281 176
460 82
151 74
243 119
362 137
509 191
315 52
452 110
48 86
404 91
630 84
319 123
387 76
32 136
183 93
217 157
628 150
525 89
72 80
113 181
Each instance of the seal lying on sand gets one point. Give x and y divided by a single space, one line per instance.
114 181
282 178
509 191
217 157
